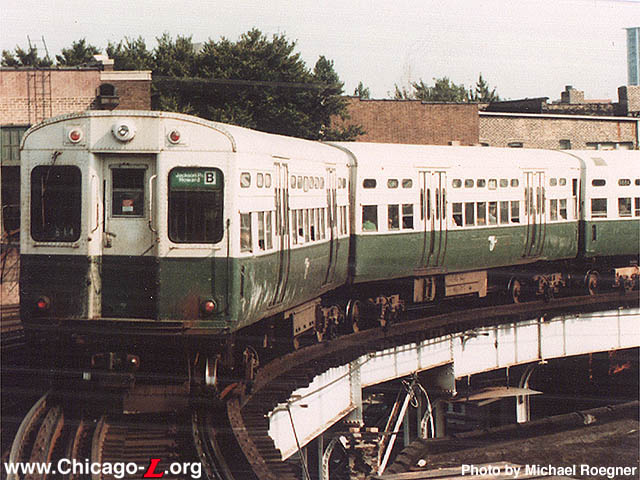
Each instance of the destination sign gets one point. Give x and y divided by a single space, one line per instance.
195 179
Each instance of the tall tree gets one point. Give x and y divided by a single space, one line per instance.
256 81
131 54
79 53
483 93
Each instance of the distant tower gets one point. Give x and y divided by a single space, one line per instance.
633 56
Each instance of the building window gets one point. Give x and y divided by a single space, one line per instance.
565 145
11 138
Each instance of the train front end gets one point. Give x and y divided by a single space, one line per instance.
124 242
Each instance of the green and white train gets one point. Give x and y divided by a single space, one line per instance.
153 228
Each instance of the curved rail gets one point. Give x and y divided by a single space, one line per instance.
274 383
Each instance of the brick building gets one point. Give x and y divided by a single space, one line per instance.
28 96
572 123
413 121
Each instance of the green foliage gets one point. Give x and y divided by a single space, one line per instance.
131 54
24 58
256 82
483 93
362 92
78 54
444 90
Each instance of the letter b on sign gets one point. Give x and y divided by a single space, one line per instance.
209 178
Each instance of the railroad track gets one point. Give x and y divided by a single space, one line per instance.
59 428
274 383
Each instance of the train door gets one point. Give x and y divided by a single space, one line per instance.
129 246
332 219
433 216
534 210
281 185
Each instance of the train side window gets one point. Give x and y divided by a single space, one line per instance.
456 183
321 182
598 182
259 180
553 182
624 182
637 206
312 224
261 243
481 183
300 182
407 216
345 225
493 184
515 182
195 205
468 183
392 183
369 218
457 213
306 224
294 227
469 213
637 181
407 183
269 230
504 212
563 208
553 209
562 182
482 213
599 207
127 192
323 230
504 182
301 227
369 183
293 181
624 207
393 217
306 184
56 203
245 232
493 213
515 211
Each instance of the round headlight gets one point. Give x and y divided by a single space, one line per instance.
123 131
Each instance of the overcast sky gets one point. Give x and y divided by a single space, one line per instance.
524 48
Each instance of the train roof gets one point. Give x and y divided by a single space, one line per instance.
618 162
457 156
241 140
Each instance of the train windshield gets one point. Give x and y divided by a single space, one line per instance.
195 205
55 203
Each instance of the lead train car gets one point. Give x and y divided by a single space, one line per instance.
150 223
139 223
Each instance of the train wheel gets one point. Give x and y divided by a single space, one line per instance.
591 282
515 290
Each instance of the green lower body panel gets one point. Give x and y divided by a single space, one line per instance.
379 257
611 237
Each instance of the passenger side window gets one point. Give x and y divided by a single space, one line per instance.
504 212
407 216
469 213
369 218
515 211
553 209
563 208
624 207
245 232
599 207
457 214
393 217
482 213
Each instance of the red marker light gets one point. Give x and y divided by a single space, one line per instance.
208 307
43 304
174 136
75 135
